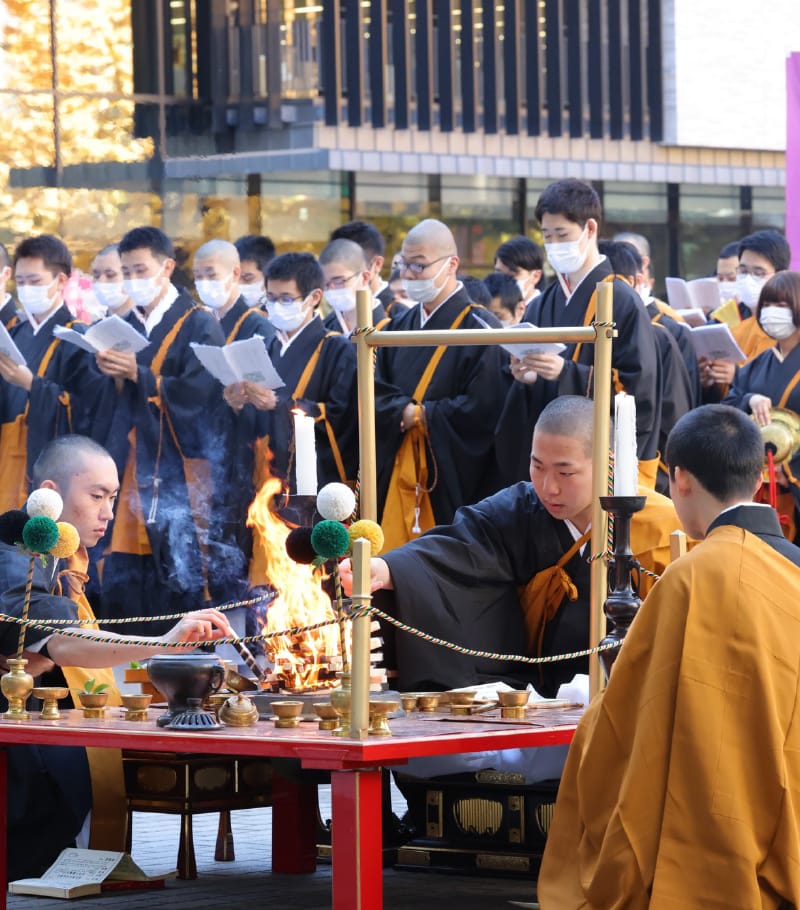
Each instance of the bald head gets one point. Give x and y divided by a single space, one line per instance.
222 251
434 236
346 253
570 416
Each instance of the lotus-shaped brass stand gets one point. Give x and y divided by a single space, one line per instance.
461 702
287 714
328 718
380 709
512 704
136 706
16 685
428 702
50 695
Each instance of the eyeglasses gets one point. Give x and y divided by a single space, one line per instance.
756 272
285 299
336 284
417 268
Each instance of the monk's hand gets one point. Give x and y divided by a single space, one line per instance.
15 373
522 372
720 371
201 625
759 407
261 398
380 578
548 366
411 417
117 364
235 395
37 663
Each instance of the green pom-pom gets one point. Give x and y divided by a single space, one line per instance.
40 534
330 539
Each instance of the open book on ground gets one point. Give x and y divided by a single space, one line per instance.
700 294
716 342
239 361
110 334
9 348
77 873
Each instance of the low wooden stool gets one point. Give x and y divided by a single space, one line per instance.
189 784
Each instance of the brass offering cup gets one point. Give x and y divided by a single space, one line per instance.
461 702
341 700
379 710
136 706
16 685
93 703
215 702
428 702
287 713
513 704
50 695
409 702
328 718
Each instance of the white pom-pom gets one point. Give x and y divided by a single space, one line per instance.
336 501
45 502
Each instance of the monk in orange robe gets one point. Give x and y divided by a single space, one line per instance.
682 785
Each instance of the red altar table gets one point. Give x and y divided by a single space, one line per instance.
355 767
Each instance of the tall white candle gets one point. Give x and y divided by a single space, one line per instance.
305 455
626 466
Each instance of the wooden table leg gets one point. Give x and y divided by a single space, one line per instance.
3 827
357 839
294 824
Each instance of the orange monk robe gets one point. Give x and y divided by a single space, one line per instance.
682 786
650 535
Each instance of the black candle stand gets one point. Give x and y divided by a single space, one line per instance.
623 601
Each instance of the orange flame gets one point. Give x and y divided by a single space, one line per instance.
300 600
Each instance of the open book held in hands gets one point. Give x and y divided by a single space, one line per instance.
77 873
9 348
695 299
239 361
527 347
715 342
110 334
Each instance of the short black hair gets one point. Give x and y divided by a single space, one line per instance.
730 250
771 245
782 287
148 238
574 199
520 253
302 268
51 250
476 290
623 257
61 458
721 447
505 288
256 248
366 235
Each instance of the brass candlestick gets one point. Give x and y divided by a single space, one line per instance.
623 602
16 685
50 695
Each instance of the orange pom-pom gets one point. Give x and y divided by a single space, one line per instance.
68 541
370 531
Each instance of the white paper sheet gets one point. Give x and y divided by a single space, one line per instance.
716 342
111 334
9 348
240 361
528 347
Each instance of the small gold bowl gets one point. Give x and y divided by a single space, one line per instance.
136 706
428 702
380 709
50 696
516 698
409 702
287 713
328 718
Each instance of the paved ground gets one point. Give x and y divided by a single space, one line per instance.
247 884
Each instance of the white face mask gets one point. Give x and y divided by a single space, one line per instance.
425 290
253 294
110 294
644 293
343 300
287 316
728 290
143 291
748 288
567 257
36 299
777 322
213 292
522 284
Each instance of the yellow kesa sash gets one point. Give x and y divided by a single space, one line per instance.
109 804
14 445
408 511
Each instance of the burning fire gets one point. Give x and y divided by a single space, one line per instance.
299 661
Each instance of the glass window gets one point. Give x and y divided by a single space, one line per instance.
769 208
300 48
394 203
299 209
480 212
640 208
710 217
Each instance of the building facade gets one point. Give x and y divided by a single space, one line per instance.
288 117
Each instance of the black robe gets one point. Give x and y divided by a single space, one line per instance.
70 370
333 383
170 580
49 789
676 393
9 314
634 356
461 404
682 334
460 583
766 375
